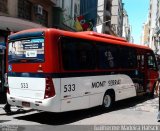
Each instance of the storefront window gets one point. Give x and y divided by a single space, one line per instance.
42 19
24 9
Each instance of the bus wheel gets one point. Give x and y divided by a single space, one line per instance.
107 100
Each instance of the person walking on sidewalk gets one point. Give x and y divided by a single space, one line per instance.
7 107
157 87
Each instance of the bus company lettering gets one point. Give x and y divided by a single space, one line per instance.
98 84
114 82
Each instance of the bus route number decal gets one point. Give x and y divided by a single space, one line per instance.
69 87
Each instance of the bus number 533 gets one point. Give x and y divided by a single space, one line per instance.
24 85
69 88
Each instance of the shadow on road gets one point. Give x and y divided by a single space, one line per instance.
16 112
20 111
73 116
2 121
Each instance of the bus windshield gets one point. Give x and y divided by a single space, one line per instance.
26 50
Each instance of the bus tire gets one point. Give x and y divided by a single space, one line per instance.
108 100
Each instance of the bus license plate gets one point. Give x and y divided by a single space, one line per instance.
25 104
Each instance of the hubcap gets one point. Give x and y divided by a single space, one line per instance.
107 101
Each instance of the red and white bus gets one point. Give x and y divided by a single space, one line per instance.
57 71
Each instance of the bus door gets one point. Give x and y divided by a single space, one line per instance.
140 82
151 72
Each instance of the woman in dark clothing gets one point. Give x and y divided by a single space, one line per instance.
7 107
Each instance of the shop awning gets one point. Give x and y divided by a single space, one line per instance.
15 24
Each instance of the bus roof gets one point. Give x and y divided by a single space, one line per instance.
102 35
90 35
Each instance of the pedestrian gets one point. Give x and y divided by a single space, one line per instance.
7 107
157 87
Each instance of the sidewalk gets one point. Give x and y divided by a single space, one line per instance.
151 105
145 113
140 113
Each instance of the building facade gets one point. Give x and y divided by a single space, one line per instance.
17 15
117 16
152 23
27 13
145 34
75 15
156 35
151 28
65 12
88 9
104 16
126 31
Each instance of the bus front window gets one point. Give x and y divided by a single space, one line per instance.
28 50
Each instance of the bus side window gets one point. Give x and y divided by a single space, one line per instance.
151 62
68 50
141 61
77 54
85 55
132 58
107 56
127 57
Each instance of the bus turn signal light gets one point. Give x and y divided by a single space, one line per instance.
8 92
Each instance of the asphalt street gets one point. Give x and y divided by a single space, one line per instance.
134 111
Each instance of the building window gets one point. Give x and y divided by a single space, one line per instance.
24 9
67 18
42 18
3 6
